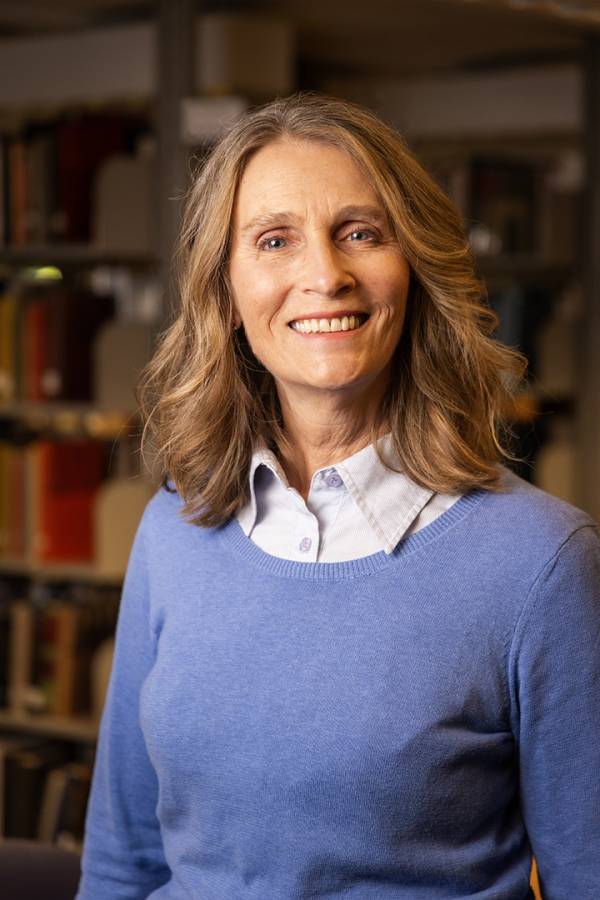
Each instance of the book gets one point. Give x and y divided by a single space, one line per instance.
5 620
51 803
22 633
69 824
16 499
61 663
503 205
122 212
58 324
25 771
49 661
118 507
18 191
41 194
5 451
8 746
33 350
4 189
48 170
63 478
8 315
120 351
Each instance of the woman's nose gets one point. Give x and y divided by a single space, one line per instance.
325 270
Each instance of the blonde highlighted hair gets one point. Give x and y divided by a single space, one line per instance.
205 398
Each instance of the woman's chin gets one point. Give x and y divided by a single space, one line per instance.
330 383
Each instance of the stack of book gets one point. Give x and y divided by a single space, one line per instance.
62 349
48 331
43 792
47 494
49 645
47 173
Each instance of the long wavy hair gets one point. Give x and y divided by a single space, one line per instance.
204 397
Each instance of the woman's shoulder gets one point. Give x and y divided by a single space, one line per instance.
534 516
162 510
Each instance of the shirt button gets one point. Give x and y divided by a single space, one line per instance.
304 545
333 480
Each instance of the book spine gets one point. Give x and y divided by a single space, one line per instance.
21 655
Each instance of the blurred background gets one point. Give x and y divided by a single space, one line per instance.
105 108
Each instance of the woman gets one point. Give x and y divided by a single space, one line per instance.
356 656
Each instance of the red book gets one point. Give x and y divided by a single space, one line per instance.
58 328
69 474
83 142
35 325
18 192
73 319
15 487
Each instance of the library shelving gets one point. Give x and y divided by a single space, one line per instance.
521 202
79 305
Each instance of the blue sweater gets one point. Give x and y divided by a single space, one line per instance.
411 725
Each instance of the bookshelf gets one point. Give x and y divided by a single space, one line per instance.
80 300
57 573
521 200
72 256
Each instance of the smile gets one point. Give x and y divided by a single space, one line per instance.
325 326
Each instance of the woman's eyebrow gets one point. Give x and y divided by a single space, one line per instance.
373 213
267 219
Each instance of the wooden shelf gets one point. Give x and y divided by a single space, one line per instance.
73 255
71 418
53 572
71 729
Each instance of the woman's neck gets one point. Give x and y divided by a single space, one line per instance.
322 434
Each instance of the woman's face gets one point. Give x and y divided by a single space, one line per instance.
312 247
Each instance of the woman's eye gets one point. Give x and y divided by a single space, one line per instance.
272 243
360 234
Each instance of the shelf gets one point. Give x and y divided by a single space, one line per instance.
524 266
60 572
73 255
71 729
71 418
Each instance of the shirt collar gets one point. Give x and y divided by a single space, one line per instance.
261 456
389 500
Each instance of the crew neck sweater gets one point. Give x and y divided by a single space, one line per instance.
409 725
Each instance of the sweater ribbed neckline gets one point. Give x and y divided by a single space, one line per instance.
232 534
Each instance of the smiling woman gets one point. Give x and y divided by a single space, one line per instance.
312 209
356 656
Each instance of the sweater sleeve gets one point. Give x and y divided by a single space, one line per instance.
123 854
554 674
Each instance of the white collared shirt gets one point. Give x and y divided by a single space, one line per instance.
353 509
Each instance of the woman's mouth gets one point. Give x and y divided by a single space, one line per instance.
328 325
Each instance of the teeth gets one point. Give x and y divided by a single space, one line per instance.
346 323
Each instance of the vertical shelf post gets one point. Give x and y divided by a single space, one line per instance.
175 80
588 412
